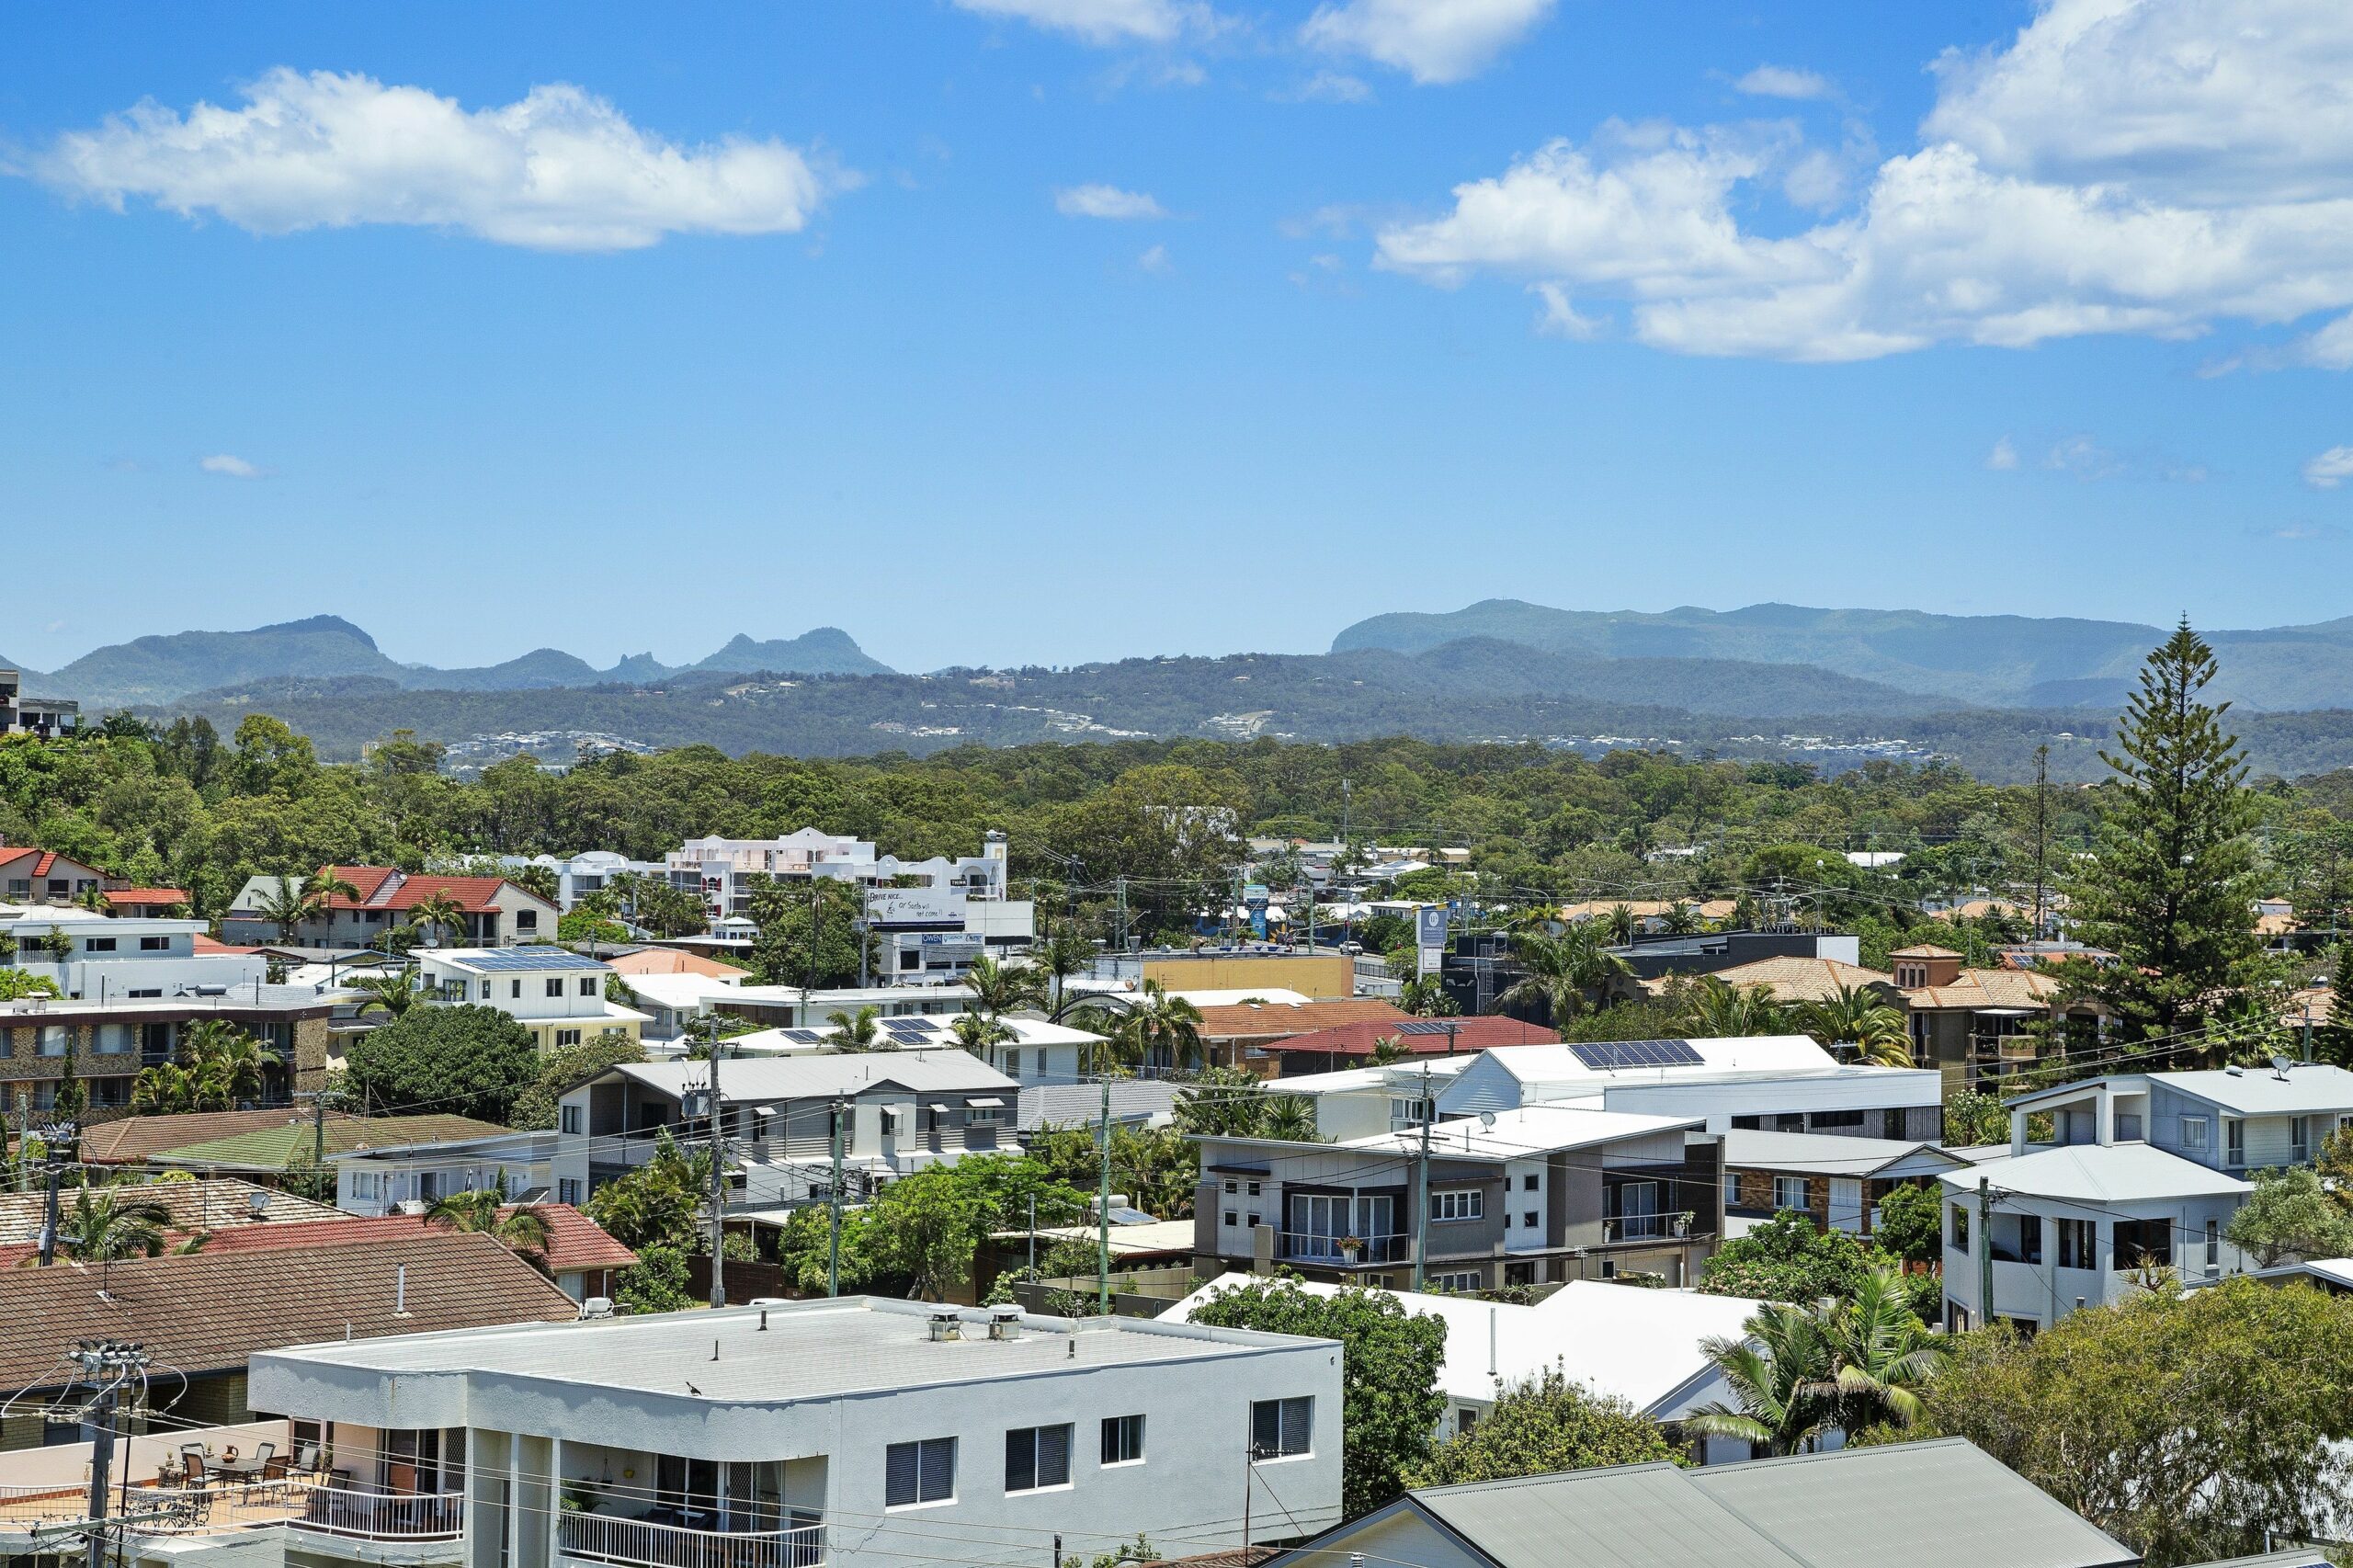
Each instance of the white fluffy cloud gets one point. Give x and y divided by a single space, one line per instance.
1098 21
2330 469
2004 457
1106 201
1783 82
559 169
1998 229
1434 40
228 467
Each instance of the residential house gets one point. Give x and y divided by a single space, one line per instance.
593 870
47 717
1647 1347
1250 970
149 904
1355 1045
106 1043
2230 1119
859 1433
1780 1083
556 993
1358 1102
1979 1025
1038 1052
639 961
900 1111
130 1142
203 1315
378 1178
190 1209
1821 1510
1236 1033
496 912
262 1153
89 957
1528 1197
30 876
1798 978
581 1256
1838 1182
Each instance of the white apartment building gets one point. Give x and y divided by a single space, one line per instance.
593 870
858 1433
900 1111
932 917
409 1177
95 958
46 717
555 993
1038 1052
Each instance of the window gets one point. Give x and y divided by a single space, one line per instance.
485 989
2078 1243
1960 1228
1122 1440
1458 1203
144 992
154 944
1527 1182
2029 1238
1519 1274
587 986
1465 1281
1037 1457
2234 1141
513 991
567 1190
555 985
2213 1246
1890 1124
2193 1132
1407 1111
1279 1427
919 1472
1528 1219
98 944
1749 1123
1232 1187
568 1118
1790 1121
1251 1190
527 920
21 885
1232 1218
566 1037
114 1039
2299 1148
983 1116
1788 1192
1732 1189
1822 1119
54 1039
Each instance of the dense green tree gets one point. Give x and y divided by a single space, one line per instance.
2291 1214
1388 1365
1863 1017
1541 1425
2171 887
1562 972
2191 1426
563 1068
1909 1224
1787 1258
464 1061
787 913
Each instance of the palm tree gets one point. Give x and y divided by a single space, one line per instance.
1715 1010
1783 1377
228 1062
1058 958
439 912
1860 1017
520 1228
1680 919
857 1031
977 1031
390 994
1387 1051
282 904
1291 1117
1564 972
1425 996
1000 989
104 1226
1161 1030
166 1089
1883 1352
1619 919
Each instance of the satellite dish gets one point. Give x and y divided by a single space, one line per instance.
257 1200
2280 1065
1487 1120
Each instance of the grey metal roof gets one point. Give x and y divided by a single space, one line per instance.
1831 1154
1965 1508
752 1080
1079 1105
487 961
1950 1504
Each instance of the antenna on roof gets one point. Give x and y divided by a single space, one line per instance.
2280 1065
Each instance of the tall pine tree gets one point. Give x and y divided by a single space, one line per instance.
2171 888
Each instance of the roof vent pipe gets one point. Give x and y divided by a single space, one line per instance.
400 1290
945 1326
1005 1324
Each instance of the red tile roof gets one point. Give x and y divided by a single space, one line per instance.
205 944
42 859
574 1241
1276 1020
1470 1034
207 1311
382 886
122 896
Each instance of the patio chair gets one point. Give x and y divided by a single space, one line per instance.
309 1457
274 1477
192 1463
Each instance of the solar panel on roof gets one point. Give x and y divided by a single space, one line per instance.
1424 1026
803 1037
1603 1056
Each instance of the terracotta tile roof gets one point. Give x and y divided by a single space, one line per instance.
1979 988
1470 1034
1277 1021
122 897
1793 978
382 886
673 961
270 1148
1924 951
44 860
205 944
574 1241
208 1311
192 1206
1648 908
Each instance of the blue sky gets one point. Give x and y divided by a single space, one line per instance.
1383 304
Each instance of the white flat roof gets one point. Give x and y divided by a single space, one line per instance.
1519 1134
752 1079
815 1349
1745 1054
1640 1344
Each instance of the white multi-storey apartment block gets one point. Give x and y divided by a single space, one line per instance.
858 1433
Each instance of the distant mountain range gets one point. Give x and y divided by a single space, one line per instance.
167 668
1989 660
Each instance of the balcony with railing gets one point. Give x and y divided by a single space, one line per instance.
666 1538
1342 1252
28 1514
